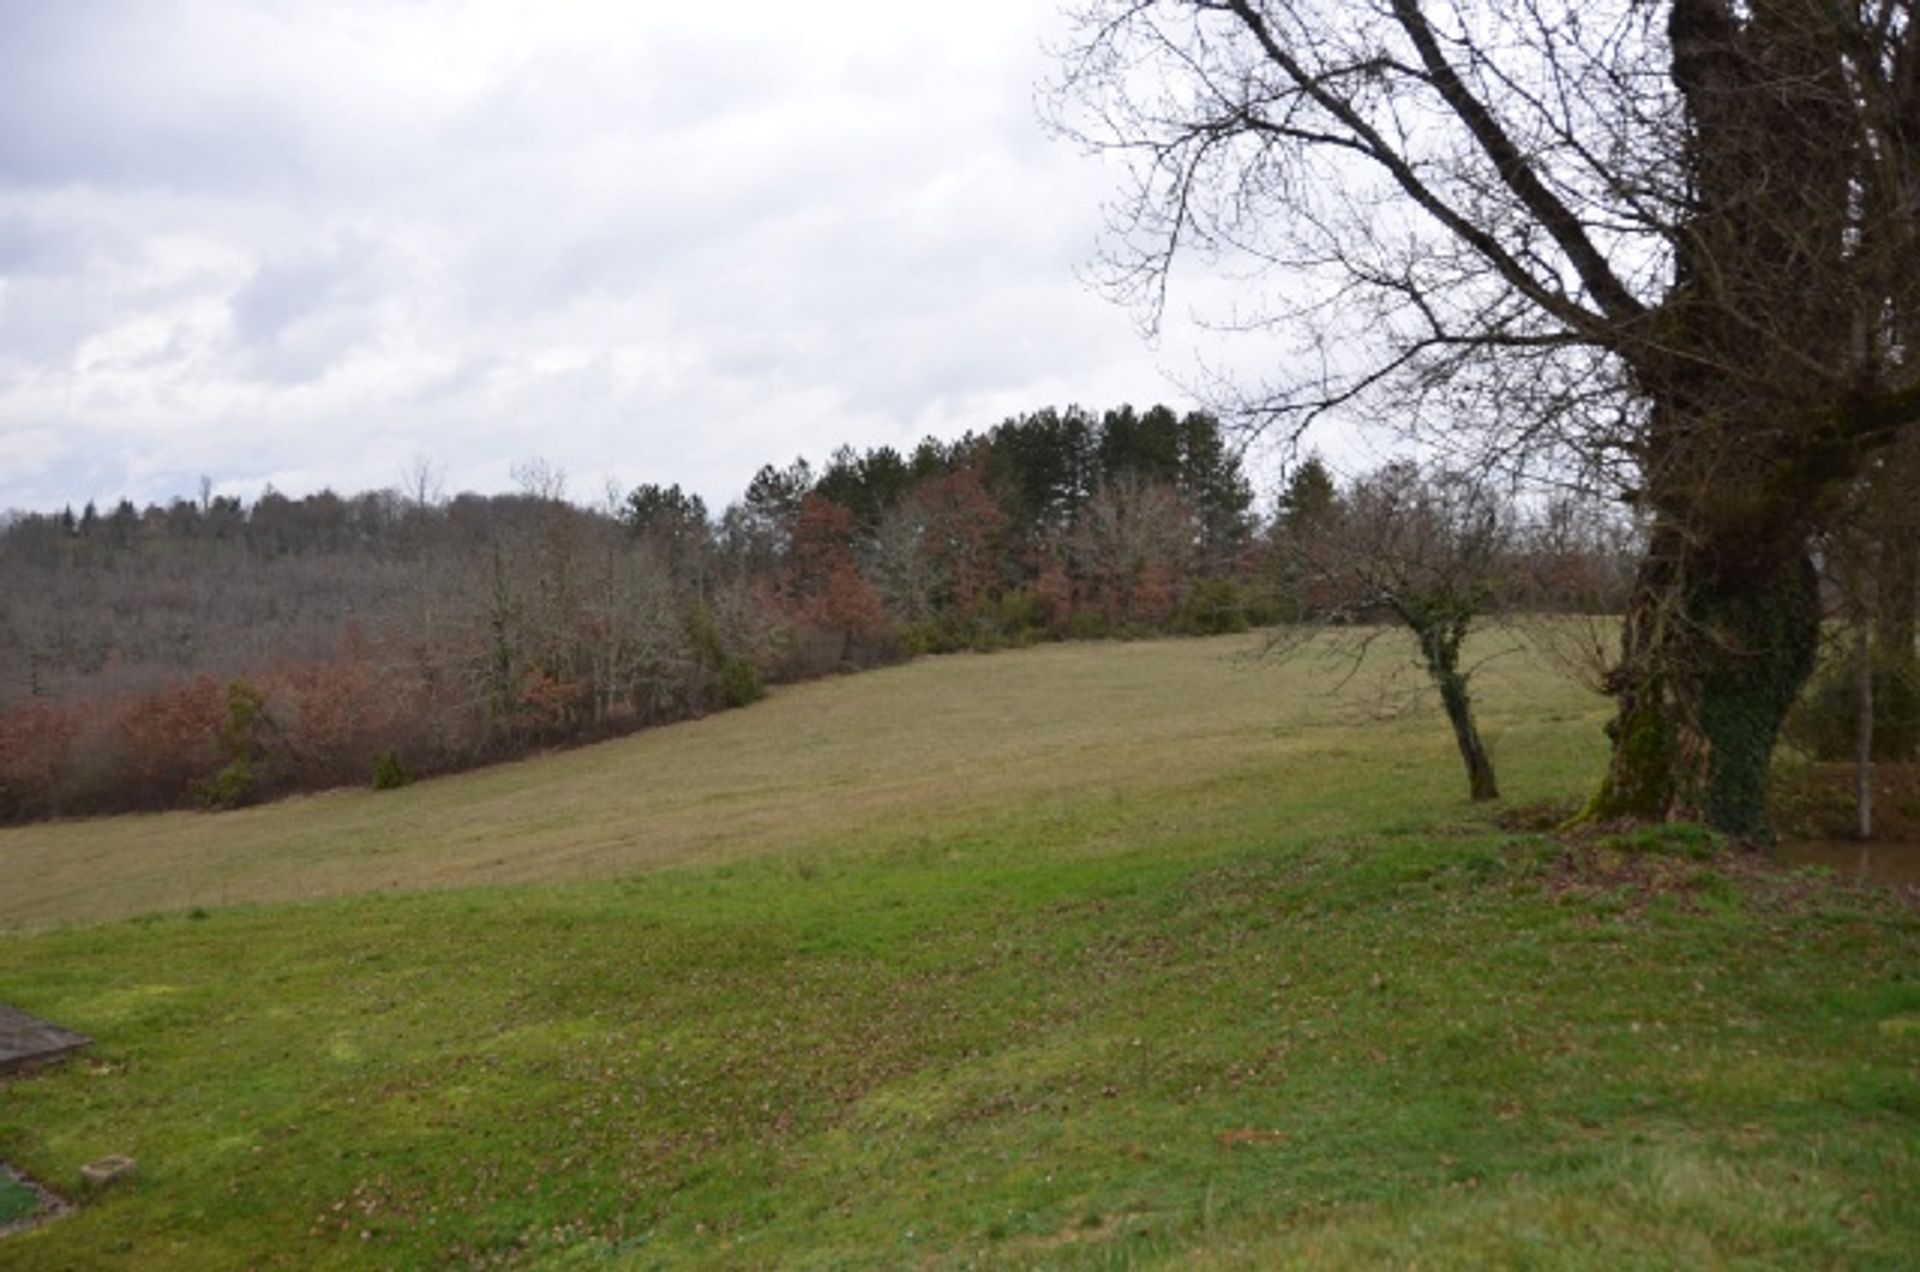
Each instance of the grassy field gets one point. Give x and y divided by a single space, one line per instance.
1081 956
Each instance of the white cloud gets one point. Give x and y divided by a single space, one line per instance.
304 243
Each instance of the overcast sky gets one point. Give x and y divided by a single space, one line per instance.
304 243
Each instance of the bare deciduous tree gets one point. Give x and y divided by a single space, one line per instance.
1429 553
422 483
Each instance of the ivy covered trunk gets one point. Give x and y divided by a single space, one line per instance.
1719 639
1755 369
1473 752
1440 643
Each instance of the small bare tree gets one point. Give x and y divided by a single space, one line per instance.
1426 551
540 479
422 484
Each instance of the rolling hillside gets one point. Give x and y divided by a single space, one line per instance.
1081 956
838 765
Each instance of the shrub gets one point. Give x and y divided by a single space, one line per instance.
1020 613
732 680
1825 722
1806 802
703 635
922 638
1213 607
1154 596
233 786
1088 624
246 716
1263 607
390 772
739 683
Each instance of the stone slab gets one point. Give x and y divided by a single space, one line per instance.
108 1170
28 1040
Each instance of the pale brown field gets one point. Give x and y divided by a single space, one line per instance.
870 759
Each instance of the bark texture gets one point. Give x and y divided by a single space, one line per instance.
1745 365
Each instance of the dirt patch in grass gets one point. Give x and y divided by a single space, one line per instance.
1538 817
1594 870
1626 868
1812 807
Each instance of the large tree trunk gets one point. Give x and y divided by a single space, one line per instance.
1718 642
1745 367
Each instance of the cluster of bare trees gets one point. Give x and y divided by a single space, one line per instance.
217 652
433 635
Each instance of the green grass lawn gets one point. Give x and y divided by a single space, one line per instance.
1079 956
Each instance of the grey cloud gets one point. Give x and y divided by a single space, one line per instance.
281 292
300 314
35 244
115 94
295 246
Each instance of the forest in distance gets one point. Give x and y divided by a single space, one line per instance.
215 653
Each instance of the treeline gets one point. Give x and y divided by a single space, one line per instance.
215 653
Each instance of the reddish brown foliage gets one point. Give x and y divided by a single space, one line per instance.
1155 594
36 743
170 740
847 604
332 717
1055 591
824 586
549 705
963 523
822 544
